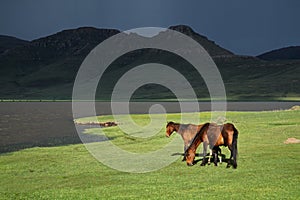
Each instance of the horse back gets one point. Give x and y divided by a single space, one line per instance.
189 131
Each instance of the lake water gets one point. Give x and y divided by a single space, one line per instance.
28 124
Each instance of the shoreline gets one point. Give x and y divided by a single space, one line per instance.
27 124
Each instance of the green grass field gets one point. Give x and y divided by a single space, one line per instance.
267 168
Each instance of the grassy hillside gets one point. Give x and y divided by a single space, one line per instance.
245 78
46 69
287 53
8 42
267 168
262 79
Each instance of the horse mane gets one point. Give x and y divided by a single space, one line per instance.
184 126
171 123
198 136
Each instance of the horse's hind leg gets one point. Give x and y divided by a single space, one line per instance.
216 152
231 155
204 153
234 152
234 155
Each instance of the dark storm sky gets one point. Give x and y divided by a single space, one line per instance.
247 27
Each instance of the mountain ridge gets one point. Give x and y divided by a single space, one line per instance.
10 42
286 53
46 68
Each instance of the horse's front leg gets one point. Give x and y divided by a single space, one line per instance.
210 155
204 153
184 154
216 153
220 155
186 145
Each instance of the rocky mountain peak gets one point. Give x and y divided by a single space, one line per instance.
183 29
75 37
213 49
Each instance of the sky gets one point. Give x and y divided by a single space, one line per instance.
245 27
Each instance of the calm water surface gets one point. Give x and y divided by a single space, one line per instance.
28 124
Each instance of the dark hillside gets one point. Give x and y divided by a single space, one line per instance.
46 68
8 42
288 53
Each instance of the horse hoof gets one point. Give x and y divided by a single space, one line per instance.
228 166
202 164
235 166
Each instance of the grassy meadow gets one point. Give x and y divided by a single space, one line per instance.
267 168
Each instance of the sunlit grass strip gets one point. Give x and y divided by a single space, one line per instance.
268 168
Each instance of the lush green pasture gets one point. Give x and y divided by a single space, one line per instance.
267 168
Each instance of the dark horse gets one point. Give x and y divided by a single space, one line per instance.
187 132
214 135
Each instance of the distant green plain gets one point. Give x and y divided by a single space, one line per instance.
267 168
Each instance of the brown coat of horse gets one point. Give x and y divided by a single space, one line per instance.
186 131
214 135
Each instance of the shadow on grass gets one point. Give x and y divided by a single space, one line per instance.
223 156
55 141
50 142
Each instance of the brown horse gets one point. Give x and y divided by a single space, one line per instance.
215 136
186 131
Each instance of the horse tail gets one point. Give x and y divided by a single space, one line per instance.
234 146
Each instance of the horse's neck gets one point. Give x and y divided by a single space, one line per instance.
201 136
177 129
181 130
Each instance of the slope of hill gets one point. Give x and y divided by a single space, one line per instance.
211 47
8 42
287 53
46 68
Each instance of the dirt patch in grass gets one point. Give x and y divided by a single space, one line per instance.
102 124
292 141
295 108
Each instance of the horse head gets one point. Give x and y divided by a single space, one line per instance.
170 129
190 156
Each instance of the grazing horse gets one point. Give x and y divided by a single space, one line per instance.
187 132
214 135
